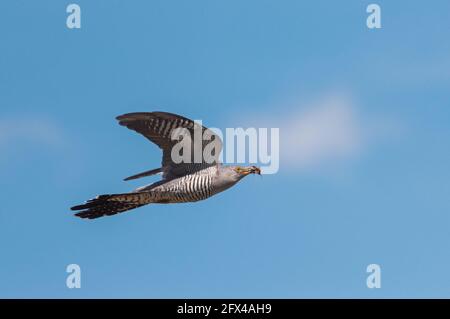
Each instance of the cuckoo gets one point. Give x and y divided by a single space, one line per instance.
187 180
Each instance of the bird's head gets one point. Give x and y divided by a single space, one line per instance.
230 175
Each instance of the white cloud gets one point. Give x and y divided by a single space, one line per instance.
18 130
326 131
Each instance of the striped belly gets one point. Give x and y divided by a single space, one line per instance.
189 188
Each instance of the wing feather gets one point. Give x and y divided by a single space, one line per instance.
158 127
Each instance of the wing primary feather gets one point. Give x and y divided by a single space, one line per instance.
143 174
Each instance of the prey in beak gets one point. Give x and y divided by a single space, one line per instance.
255 170
248 170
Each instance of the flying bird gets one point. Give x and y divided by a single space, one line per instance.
185 181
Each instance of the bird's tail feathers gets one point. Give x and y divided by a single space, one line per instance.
106 205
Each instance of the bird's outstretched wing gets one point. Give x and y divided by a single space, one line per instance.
159 127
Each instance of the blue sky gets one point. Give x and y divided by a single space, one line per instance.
366 180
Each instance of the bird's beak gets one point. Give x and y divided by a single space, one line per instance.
252 170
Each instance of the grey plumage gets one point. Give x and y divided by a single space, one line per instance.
181 182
